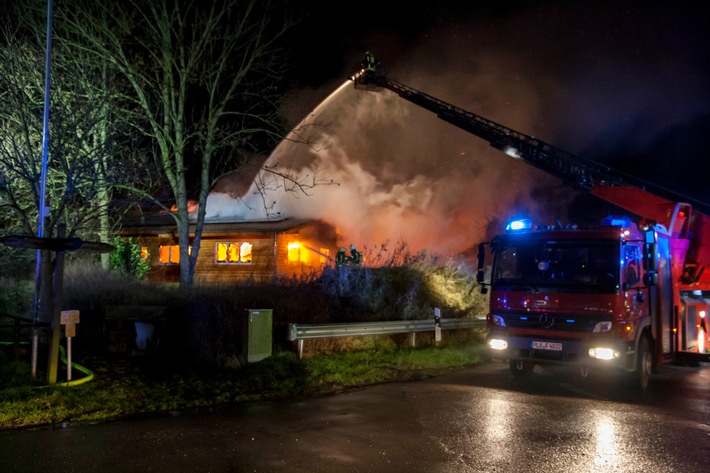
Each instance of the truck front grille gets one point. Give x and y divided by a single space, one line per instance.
552 322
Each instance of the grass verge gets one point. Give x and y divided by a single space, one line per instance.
127 388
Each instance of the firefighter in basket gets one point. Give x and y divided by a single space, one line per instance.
369 64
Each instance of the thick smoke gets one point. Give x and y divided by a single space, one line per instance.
400 174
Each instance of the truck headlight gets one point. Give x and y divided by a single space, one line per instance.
497 344
601 353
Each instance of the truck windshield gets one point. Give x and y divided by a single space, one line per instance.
558 264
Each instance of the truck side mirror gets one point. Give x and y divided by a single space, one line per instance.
480 273
483 273
650 249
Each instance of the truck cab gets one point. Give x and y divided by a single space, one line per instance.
569 295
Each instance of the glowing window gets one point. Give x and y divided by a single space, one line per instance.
245 253
294 249
144 253
232 253
297 253
169 254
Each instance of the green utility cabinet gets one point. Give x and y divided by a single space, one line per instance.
259 334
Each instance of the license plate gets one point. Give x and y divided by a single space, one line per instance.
546 346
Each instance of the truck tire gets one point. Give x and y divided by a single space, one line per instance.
520 369
644 365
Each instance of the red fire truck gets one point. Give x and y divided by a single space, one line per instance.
629 294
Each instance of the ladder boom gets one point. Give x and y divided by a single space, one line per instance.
577 171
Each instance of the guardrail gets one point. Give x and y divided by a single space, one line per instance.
301 332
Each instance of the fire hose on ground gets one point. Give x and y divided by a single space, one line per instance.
75 382
63 357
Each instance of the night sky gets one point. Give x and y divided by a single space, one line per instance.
622 83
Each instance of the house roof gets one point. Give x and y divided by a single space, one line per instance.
164 223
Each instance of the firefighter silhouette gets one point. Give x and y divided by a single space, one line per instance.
369 63
355 256
341 259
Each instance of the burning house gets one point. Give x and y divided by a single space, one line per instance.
237 250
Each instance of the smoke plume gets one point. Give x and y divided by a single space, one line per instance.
388 171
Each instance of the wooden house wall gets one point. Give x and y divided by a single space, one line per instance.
270 256
166 273
261 268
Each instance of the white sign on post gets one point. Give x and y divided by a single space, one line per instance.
69 318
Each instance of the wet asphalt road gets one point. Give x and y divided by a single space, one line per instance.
475 420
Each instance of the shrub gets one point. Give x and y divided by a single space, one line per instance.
126 258
90 290
16 297
16 263
207 323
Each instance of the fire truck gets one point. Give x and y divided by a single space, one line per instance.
627 295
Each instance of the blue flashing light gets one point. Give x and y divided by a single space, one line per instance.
522 224
622 221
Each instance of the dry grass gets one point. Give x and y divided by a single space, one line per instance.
204 326
200 359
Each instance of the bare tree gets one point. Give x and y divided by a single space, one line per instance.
77 171
89 153
205 77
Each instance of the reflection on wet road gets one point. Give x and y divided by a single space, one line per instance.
475 420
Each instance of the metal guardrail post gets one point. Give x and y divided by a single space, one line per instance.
301 332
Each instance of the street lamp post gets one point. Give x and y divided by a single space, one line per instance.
42 208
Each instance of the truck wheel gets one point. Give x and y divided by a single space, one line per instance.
644 365
521 369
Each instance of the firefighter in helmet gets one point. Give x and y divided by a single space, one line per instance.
341 258
369 64
355 256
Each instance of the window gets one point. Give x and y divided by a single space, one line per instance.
294 252
590 265
300 252
233 253
144 253
631 260
169 254
508 264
